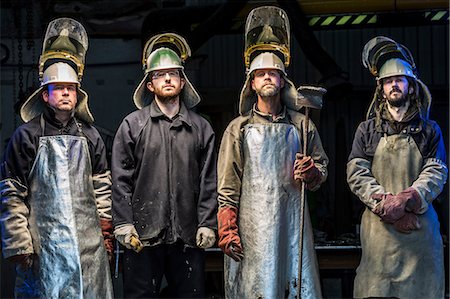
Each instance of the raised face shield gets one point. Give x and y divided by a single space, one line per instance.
267 29
380 49
65 39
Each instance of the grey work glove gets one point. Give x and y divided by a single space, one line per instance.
206 237
127 235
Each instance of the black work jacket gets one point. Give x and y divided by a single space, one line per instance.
23 145
164 175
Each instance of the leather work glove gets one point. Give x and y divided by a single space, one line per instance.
306 171
205 237
108 237
407 223
127 235
392 207
229 240
412 198
24 261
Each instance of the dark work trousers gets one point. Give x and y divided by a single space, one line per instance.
182 266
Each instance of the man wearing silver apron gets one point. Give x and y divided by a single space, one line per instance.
397 168
259 198
55 193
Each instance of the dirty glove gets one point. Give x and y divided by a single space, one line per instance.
24 261
205 237
407 223
412 199
392 207
229 240
306 171
127 235
108 237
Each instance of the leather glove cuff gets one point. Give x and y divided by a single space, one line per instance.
407 223
24 261
412 198
229 240
107 231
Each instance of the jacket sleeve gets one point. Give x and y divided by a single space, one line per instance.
317 153
101 178
434 171
229 169
16 237
359 174
207 202
18 159
122 168
102 191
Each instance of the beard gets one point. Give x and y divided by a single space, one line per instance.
268 90
397 101
167 96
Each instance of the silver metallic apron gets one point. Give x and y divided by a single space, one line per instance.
64 224
269 220
395 264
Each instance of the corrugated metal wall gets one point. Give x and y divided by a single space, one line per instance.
222 57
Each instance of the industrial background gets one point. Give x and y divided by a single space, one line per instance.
327 40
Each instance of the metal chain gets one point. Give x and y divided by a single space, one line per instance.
18 23
30 27
14 91
31 45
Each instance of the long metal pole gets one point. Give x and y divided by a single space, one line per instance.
302 209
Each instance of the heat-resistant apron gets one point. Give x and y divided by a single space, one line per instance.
269 218
64 224
395 264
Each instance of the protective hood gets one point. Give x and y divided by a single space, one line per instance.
165 58
385 58
55 73
248 96
423 103
35 106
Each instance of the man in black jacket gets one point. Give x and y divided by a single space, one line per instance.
164 178
55 184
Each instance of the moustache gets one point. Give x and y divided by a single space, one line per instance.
269 84
395 89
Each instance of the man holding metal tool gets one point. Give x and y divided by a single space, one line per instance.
397 168
259 168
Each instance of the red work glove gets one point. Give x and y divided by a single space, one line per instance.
407 223
229 240
306 171
412 198
108 237
24 261
393 207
